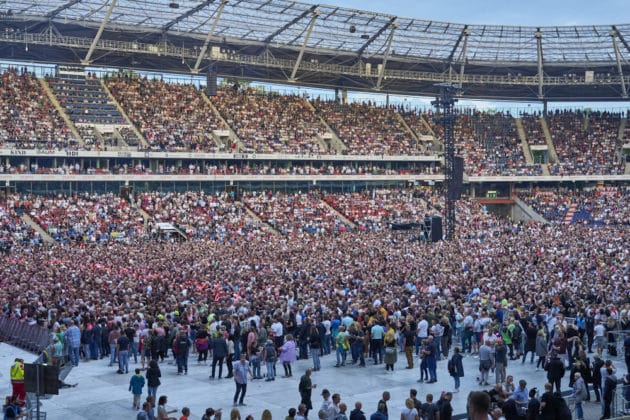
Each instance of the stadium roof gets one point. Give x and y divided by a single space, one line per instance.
323 45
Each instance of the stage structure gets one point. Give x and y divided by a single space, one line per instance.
444 105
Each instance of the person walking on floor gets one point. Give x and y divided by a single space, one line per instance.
456 367
136 383
153 378
306 388
240 371
219 351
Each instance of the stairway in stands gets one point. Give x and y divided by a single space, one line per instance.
568 218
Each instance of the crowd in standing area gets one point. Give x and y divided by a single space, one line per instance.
499 290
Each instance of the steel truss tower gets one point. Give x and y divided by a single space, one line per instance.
444 105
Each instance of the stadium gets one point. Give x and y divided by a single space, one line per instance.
208 168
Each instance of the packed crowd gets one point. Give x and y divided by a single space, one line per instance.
201 215
376 210
74 167
495 277
368 129
533 129
586 143
14 230
597 206
29 119
171 117
489 144
422 122
82 218
293 214
174 117
270 122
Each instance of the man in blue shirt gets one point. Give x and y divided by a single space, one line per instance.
73 340
430 354
521 396
376 334
240 371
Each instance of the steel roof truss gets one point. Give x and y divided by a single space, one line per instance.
206 42
375 36
54 13
289 24
189 13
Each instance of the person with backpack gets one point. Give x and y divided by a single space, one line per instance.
153 376
269 357
11 409
456 367
596 376
547 411
202 345
608 392
430 410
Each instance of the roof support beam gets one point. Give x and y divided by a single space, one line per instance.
54 13
381 73
309 30
539 49
189 13
621 38
613 35
108 14
204 48
289 24
466 33
374 36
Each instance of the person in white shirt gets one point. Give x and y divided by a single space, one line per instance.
600 335
327 336
423 333
409 412
278 330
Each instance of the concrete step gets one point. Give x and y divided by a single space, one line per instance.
521 135
135 130
32 223
233 136
62 112
340 215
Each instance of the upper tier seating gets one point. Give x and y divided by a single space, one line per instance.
85 100
368 129
28 119
585 143
269 122
172 117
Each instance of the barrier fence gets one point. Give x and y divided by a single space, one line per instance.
22 334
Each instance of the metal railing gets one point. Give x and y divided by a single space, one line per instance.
30 337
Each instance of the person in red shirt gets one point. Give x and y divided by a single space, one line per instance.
185 413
